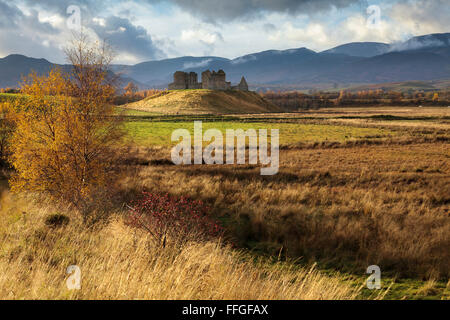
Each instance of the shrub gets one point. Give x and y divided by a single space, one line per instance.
56 220
177 219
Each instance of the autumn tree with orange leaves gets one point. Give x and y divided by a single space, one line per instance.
7 126
66 128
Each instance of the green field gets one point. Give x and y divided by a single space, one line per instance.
132 112
152 133
4 97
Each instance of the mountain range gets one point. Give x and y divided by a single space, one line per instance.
419 58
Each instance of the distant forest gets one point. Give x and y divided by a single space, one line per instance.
297 100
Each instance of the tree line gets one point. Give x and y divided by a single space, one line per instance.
297 100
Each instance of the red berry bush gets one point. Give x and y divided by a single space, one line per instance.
176 219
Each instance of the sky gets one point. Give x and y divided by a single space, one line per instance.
143 30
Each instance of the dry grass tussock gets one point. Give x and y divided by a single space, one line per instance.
120 262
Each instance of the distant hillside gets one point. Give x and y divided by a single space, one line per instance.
420 58
435 40
15 66
361 49
393 67
205 102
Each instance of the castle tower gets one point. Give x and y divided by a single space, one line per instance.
243 86
180 81
206 79
192 83
220 80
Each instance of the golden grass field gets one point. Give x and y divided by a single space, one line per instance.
120 262
349 193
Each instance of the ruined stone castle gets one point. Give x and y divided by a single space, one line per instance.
210 80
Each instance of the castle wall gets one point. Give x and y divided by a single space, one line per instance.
215 80
184 80
210 80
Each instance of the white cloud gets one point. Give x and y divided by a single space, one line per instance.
201 35
243 59
314 34
422 17
355 29
99 21
192 65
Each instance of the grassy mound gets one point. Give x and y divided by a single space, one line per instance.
205 102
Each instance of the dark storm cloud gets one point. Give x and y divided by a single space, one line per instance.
12 18
8 15
25 33
60 6
127 38
227 10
